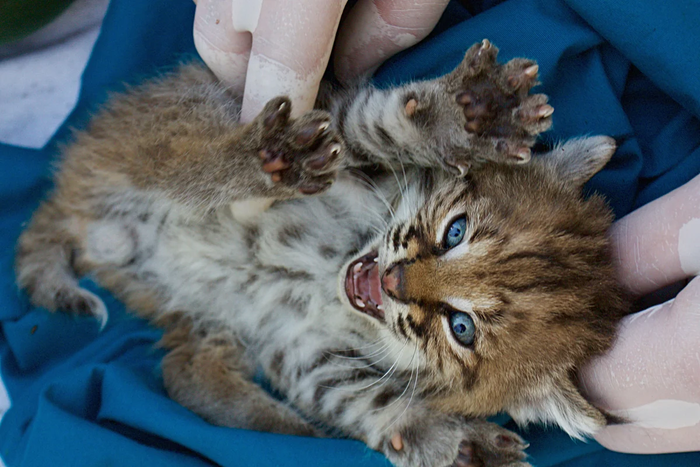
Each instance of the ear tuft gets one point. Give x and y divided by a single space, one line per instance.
564 406
577 160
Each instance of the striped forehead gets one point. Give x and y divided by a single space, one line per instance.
411 199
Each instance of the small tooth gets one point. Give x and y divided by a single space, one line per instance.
376 259
324 126
357 267
359 303
379 307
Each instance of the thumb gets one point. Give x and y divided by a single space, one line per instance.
223 49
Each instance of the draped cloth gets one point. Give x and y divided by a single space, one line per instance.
84 397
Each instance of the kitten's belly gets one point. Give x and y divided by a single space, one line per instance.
272 281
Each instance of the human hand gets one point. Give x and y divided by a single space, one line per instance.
291 42
652 374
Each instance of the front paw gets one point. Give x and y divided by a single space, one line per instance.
494 97
489 445
301 154
456 443
482 110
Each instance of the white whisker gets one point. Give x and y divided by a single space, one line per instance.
372 186
415 385
386 375
408 384
381 340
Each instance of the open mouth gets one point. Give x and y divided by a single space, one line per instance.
363 286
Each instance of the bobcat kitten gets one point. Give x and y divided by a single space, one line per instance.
397 285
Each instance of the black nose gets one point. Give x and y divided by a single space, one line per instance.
392 281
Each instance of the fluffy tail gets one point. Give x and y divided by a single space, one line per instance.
44 265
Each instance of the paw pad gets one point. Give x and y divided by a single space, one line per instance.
495 102
301 154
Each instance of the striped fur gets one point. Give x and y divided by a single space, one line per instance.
142 202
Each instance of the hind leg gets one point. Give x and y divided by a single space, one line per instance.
45 260
206 373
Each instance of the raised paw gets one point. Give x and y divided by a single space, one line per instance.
495 97
300 154
483 110
495 100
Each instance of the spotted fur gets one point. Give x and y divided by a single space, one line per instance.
143 202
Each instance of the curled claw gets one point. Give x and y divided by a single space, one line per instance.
525 78
505 441
325 159
276 113
523 155
545 111
537 113
531 71
335 149
311 132
485 54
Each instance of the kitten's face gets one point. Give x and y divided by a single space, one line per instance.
503 283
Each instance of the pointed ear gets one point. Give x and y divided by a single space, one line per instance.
562 405
577 160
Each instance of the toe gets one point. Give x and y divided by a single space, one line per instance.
311 132
484 55
466 456
276 113
324 159
521 74
273 161
312 188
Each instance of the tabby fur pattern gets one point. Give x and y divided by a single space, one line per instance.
161 198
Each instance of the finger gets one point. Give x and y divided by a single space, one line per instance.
223 49
659 244
652 378
291 47
377 29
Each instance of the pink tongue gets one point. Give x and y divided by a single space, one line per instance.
375 285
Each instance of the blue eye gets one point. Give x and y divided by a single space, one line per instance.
462 327
455 233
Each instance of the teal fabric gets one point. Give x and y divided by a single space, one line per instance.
83 397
